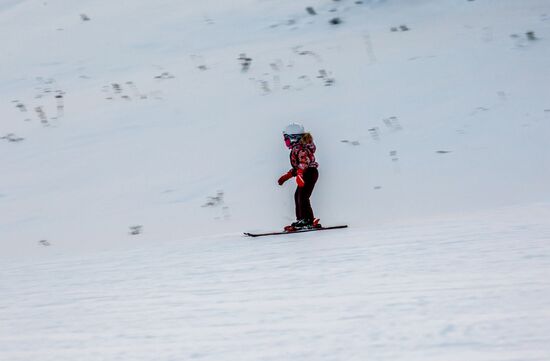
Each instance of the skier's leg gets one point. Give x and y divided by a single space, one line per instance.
298 203
310 178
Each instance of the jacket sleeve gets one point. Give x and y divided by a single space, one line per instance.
293 162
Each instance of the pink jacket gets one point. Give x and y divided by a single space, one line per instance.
302 156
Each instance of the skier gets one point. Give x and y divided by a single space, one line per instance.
304 168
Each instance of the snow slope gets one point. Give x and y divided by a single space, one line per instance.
431 120
110 158
474 288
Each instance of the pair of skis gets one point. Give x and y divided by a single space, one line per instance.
296 231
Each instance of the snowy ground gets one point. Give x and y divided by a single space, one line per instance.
432 120
474 288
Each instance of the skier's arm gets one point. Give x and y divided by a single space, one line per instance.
304 160
285 177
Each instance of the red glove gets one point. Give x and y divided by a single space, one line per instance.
300 177
284 178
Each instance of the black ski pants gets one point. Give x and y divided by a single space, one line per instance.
302 195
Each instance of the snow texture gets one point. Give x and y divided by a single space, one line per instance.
138 141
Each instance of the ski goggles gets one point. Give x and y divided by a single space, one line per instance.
291 138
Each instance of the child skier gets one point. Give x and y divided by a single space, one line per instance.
304 168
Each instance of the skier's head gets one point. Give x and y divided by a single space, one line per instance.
292 134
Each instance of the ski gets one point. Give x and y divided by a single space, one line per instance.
292 232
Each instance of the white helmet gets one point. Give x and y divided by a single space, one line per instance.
294 129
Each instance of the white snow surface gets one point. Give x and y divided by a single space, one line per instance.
432 121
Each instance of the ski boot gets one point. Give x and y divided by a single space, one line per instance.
303 224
